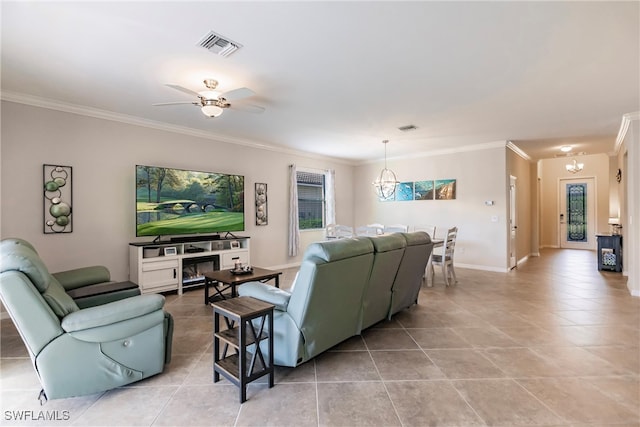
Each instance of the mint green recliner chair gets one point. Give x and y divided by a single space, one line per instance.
324 307
78 351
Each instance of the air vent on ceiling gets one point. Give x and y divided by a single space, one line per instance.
218 44
407 128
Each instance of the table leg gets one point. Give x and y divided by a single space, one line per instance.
278 281
271 372
242 363
206 290
429 273
216 346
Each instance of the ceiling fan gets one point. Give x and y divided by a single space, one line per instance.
212 103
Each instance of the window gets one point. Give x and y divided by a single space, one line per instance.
311 200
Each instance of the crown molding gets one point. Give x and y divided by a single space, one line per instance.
624 127
441 152
50 104
510 145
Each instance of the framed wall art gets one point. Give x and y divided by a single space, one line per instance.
423 190
404 191
57 200
262 217
445 189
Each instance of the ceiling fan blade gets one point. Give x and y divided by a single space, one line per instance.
247 108
183 89
160 104
240 93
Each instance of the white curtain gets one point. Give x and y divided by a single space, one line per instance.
294 232
330 195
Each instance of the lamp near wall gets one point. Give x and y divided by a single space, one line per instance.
385 184
615 225
574 166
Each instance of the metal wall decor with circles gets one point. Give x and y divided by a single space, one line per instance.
262 217
57 199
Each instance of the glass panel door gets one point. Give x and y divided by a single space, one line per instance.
577 213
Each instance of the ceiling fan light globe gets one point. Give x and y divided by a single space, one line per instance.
212 110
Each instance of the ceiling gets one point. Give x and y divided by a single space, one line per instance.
336 78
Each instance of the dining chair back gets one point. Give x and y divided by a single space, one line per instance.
429 229
365 230
397 228
338 231
378 227
445 258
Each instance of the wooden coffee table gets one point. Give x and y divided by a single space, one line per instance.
221 280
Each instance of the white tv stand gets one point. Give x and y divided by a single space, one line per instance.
169 266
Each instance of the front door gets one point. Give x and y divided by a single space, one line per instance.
577 213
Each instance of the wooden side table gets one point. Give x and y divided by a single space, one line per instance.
242 367
221 280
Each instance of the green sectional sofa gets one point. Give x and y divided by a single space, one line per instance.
78 349
343 287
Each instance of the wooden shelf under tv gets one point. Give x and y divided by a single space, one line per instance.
158 267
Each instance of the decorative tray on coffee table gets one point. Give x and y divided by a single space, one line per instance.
242 271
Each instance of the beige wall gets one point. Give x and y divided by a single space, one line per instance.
480 176
628 160
551 171
103 155
525 213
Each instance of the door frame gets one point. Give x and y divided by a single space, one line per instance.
592 206
513 223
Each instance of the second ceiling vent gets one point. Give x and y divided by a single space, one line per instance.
219 44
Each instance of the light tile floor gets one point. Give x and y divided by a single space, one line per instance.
553 343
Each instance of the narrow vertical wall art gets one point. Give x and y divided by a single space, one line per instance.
261 204
57 199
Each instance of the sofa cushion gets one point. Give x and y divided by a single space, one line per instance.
278 297
388 242
417 238
11 242
335 250
82 277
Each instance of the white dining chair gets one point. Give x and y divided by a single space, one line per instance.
396 228
445 257
330 231
378 227
344 231
429 229
364 230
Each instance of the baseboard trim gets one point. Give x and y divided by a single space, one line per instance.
522 260
482 267
284 266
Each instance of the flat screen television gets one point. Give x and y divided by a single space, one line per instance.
178 202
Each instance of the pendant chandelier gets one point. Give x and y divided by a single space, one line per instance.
385 184
574 166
